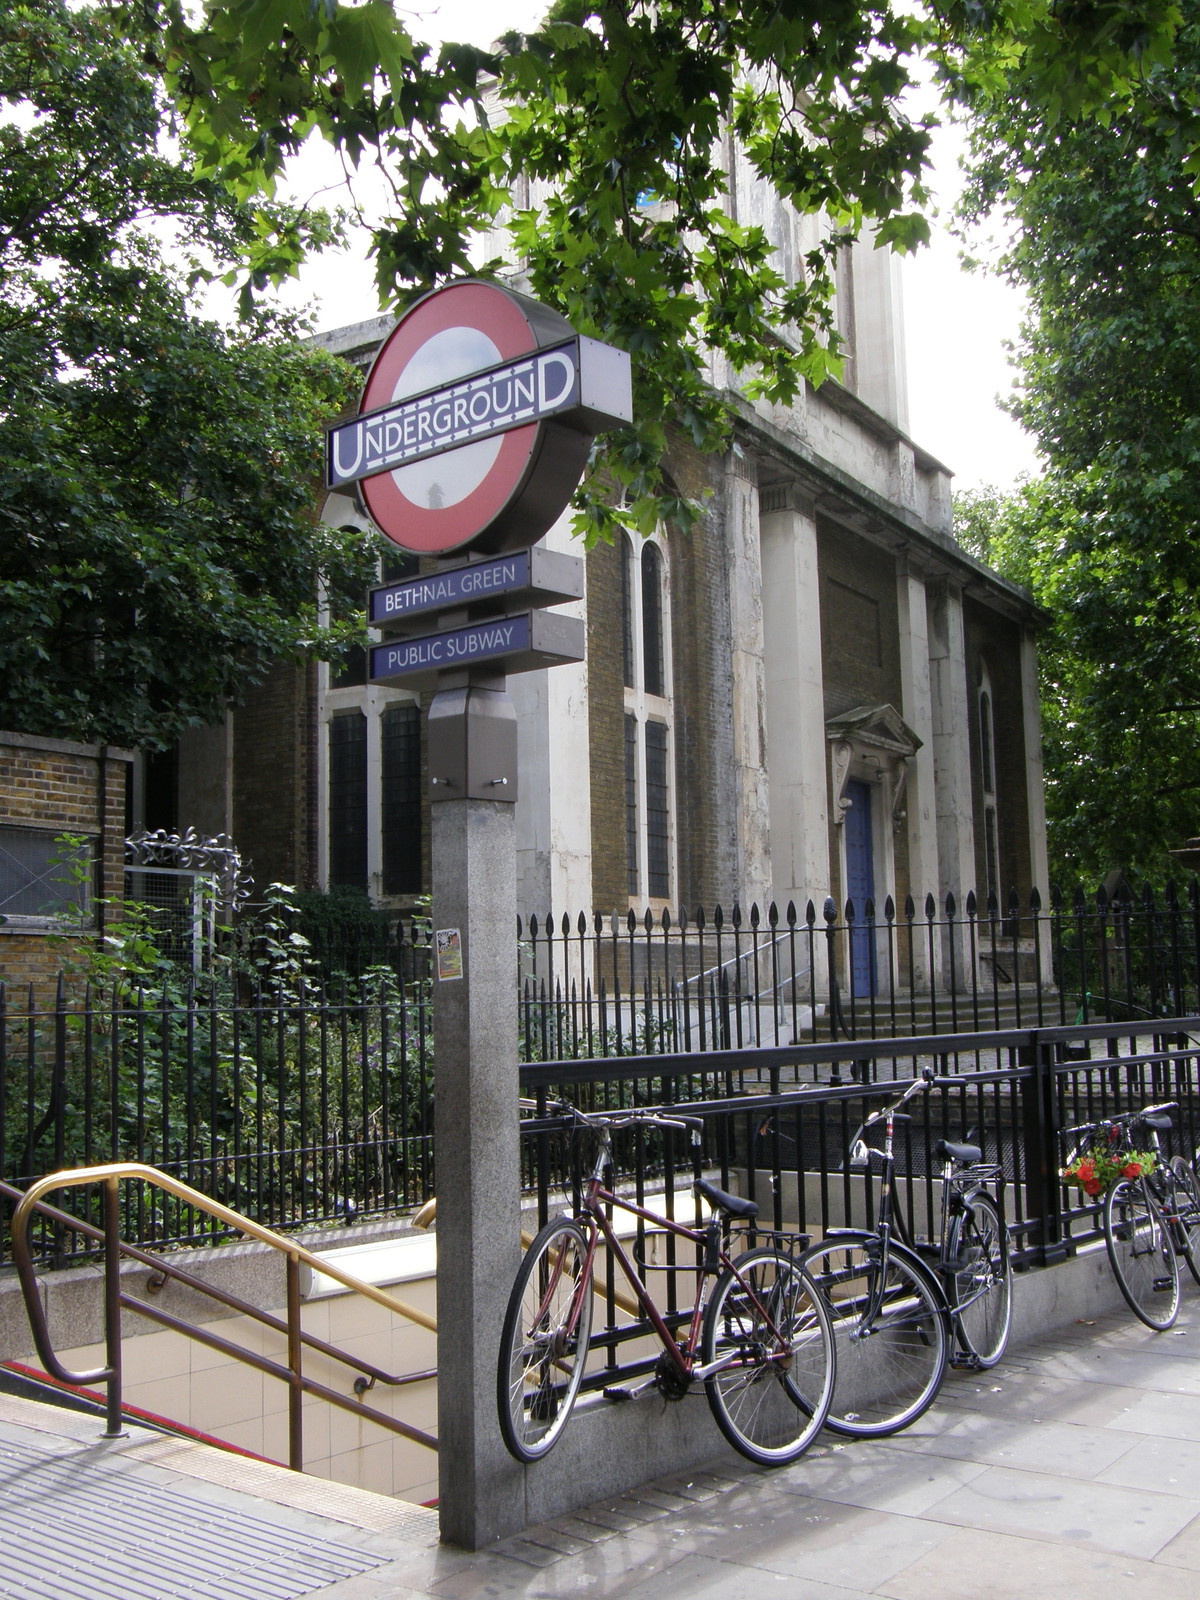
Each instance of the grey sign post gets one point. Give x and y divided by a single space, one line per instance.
454 375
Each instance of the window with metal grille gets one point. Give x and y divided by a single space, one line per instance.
400 752
627 612
653 667
658 813
632 828
649 799
42 877
348 799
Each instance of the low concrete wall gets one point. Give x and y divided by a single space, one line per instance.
607 1448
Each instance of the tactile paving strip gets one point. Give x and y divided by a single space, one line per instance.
73 1529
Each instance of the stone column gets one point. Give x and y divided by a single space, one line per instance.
918 803
750 820
951 749
794 682
554 812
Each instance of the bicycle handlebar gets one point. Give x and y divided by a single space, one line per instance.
616 1119
1119 1119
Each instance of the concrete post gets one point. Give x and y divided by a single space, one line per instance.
481 1495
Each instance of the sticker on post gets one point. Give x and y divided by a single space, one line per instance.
449 954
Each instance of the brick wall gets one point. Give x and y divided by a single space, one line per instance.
57 786
275 794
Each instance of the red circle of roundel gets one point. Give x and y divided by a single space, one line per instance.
496 314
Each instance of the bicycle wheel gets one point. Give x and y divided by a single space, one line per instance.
1143 1258
544 1342
770 1330
982 1280
1187 1197
890 1334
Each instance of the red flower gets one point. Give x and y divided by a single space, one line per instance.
1085 1170
1091 1186
1132 1169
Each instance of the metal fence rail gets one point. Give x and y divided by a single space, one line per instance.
778 1125
613 985
296 1108
310 1099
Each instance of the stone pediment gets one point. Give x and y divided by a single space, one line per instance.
881 727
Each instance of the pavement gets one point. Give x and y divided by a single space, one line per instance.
1073 1468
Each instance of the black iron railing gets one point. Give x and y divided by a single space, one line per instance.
295 1107
310 1098
779 1121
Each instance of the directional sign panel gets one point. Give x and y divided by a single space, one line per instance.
538 577
521 643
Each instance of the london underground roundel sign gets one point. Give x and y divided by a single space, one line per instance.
476 419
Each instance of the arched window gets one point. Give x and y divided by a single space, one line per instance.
649 762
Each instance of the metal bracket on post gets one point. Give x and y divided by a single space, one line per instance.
473 744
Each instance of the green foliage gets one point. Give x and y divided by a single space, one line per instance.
156 545
1107 242
621 115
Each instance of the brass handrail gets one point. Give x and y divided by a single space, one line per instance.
110 1177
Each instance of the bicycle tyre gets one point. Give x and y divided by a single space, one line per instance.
1141 1253
772 1399
889 1374
979 1240
544 1341
1189 1219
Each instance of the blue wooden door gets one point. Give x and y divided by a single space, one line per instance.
860 885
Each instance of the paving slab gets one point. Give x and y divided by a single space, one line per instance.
1073 1467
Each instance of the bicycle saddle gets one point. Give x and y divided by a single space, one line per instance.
1160 1122
729 1203
966 1153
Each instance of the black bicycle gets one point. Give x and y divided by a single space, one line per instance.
903 1311
1151 1218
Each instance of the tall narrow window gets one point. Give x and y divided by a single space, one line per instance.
348 799
653 667
649 786
987 773
632 864
369 758
401 799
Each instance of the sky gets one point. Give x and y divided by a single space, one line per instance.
956 322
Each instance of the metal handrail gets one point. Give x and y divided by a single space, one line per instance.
111 1177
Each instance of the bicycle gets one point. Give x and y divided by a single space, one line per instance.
898 1304
1151 1219
763 1337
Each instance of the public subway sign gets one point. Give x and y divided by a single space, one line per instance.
476 420
521 643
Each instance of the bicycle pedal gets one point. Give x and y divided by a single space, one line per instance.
961 1361
1163 1285
615 1393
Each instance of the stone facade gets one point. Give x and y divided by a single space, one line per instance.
813 692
